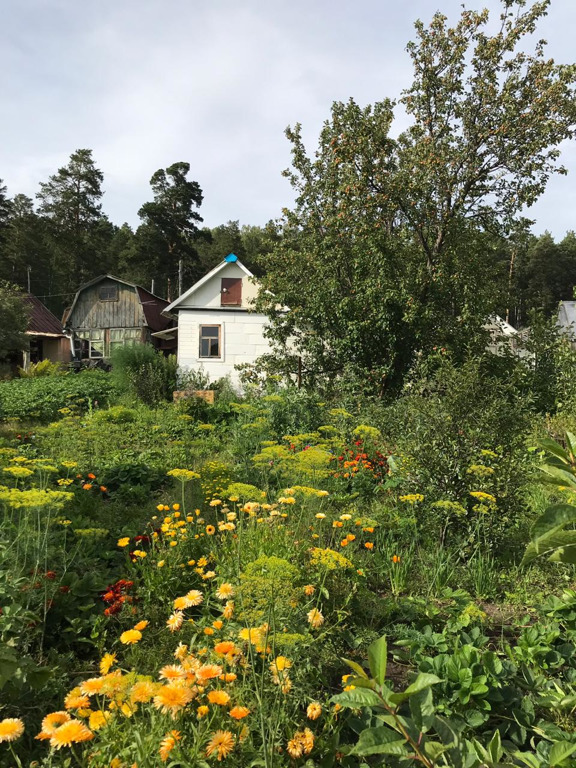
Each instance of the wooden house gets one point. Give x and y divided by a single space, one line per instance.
47 338
108 313
217 326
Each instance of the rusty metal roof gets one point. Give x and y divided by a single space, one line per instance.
42 321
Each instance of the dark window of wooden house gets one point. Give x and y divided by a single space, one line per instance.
231 291
210 341
108 293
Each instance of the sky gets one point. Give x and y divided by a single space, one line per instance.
146 83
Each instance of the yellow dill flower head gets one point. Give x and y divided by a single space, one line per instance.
184 475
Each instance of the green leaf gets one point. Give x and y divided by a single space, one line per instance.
495 747
359 697
555 517
38 677
377 659
423 681
433 749
560 751
558 477
356 667
380 741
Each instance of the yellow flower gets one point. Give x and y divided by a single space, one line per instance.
141 625
51 722
210 530
314 711
194 597
228 610
207 672
131 637
124 541
208 631
140 553
315 618
98 719
221 743
301 743
481 496
92 686
280 664
11 728
143 691
238 713
202 711
218 697
168 743
172 672
107 662
71 732
225 591
173 697
309 589
174 622
184 475
76 699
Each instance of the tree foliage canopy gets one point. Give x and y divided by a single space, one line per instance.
390 249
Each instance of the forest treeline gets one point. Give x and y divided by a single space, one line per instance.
63 238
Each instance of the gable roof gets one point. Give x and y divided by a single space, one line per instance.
42 322
152 306
230 259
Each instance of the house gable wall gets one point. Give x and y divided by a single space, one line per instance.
90 312
209 294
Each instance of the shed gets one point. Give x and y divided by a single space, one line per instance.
48 340
108 312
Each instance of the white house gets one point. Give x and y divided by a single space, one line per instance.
216 328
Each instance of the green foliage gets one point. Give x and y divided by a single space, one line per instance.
145 373
42 368
13 320
43 398
268 591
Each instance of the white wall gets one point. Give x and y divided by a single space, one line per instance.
208 295
242 340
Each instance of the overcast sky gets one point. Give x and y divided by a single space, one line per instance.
145 83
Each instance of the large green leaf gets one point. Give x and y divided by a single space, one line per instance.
359 697
560 751
555 517
558 545
356 667
377 659
557 476
423 681
380 741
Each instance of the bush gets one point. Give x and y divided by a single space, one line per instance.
143 372
49 397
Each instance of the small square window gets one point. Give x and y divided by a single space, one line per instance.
108 293
210 341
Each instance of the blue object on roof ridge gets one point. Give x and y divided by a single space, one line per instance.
231 258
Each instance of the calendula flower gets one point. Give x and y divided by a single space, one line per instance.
369 545
396 558
172 672
221 743
106 662
314 710
320 515
309 589
174 622
315 618
98 719
226 648
218 624
194 597
71 732
345 517
173 697
295 748
202 711
280 664
51 722
301 743
208 631
131 637
225 591
218 697
228 677
228 610
141 625
76 699
238 713
207 672
181 651
11 728
124 541
210 530
92 686
168 743
143 691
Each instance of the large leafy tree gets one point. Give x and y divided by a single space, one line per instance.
170 225
391 247
71 202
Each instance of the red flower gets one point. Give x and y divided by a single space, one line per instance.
50 575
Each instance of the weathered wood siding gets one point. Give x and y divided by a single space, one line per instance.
91 312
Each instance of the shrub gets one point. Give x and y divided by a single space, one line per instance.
143 372
49 397
43 368
267 590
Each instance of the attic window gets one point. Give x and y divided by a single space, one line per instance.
108 293
231 292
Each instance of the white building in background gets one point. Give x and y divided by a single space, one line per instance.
216 329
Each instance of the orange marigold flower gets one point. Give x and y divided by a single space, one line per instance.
218 697
202 711
92 686
141 625
239 712
143 691
218 624
207 672
172 672
71 732
309 589
76 699
369 545
344 543
91 475
228 677
395 558
226 648
174 622
221 743
51 722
